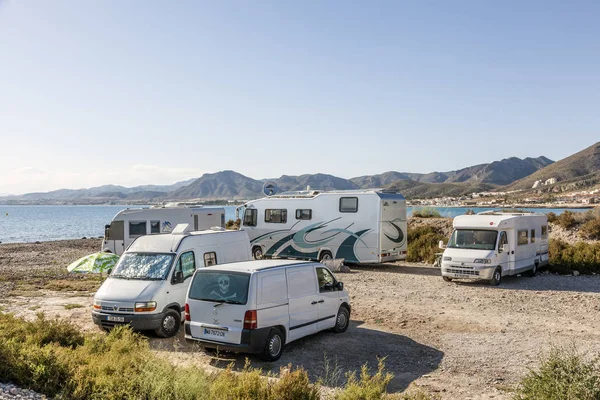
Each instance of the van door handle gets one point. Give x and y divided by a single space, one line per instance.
321 301
313 303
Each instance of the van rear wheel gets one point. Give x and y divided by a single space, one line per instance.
169 324
533 271
257 253
325 256
273 346
342 320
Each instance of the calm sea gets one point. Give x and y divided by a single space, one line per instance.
43 223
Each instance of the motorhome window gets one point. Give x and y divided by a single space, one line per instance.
116 231
475 239
186 264
143 266
137 228
348 204
533 236
220 286
154 226
250 217
503 240
522 238
276 216
326 280
544 231
303 214
210 259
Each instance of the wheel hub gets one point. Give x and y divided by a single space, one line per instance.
275 345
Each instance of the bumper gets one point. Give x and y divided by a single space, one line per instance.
253 341
142 322
392 256
468 271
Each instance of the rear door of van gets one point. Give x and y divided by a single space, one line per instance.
217 302
303 301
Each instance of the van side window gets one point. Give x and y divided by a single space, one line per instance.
210 259
186 264
326 280
544 231
533 236
301 282
503 240
348 204
250 217
304 214
276 216
522 237
154 226
137 228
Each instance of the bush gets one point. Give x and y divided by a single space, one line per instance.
551 217
367 386
583 257
231 224
564 374
423 243
566 220
426 212
590 230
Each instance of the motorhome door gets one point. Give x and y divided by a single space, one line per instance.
116 237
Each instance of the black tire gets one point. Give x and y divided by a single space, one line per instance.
169 324
342 321
257 253
497 277
447 279
533 271
325 255
273 346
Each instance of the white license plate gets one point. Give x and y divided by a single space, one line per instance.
462 276
214 332
116 319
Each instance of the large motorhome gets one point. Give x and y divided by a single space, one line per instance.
360 226
132 223
491 245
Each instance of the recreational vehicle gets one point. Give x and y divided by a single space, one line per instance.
260 306
147 287
132 223
491 245
360 226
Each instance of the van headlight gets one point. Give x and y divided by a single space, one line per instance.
97 304
482 261
145 306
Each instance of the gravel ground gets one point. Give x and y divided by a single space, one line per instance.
9 391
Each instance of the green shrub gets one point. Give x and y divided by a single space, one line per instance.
294 385
590 230
566 220
423 243
367 386
426 212
564 374
583 257
551 217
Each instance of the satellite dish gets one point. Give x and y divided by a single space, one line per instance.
270 188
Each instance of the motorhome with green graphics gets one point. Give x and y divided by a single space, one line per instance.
360 226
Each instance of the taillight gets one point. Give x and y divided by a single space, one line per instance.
187 312
250 320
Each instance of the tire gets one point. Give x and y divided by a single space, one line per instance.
447 279
342 321
273 346
497 277
325 256
257 253
533 271
169 324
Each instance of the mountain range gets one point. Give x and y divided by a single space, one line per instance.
512 173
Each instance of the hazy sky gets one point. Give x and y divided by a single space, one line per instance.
137 92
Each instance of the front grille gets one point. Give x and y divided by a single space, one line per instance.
122 309
461 271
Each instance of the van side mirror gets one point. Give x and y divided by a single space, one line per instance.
178 277
340 286
504 247
442 245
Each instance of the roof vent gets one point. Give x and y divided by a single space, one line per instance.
181 229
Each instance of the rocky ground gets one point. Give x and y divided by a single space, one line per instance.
12 392
461 340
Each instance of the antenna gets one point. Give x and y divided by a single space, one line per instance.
270 188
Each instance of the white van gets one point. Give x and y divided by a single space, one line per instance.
491 245
148 286
260 306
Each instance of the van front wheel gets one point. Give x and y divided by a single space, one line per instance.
169 324
342 320
274 346
497 277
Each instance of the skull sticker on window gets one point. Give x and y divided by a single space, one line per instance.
224 289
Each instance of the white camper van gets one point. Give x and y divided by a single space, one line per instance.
131 223
491 245
360 226
147 287
260 306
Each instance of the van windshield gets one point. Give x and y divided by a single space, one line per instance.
473 239
220 287
143 266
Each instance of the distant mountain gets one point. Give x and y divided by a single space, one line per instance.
412 189
222 185
577 171
315 181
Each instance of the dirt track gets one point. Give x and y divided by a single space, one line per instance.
461 340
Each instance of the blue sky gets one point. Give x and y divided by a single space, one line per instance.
140 92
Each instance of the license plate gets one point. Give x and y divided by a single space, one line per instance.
462 276
116 319
214 332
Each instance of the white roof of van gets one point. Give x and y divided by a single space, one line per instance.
168 242
488 220
257 265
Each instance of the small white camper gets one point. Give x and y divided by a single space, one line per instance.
132 223
491 245
360 226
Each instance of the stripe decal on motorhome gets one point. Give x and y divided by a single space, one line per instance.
310 323
346 249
